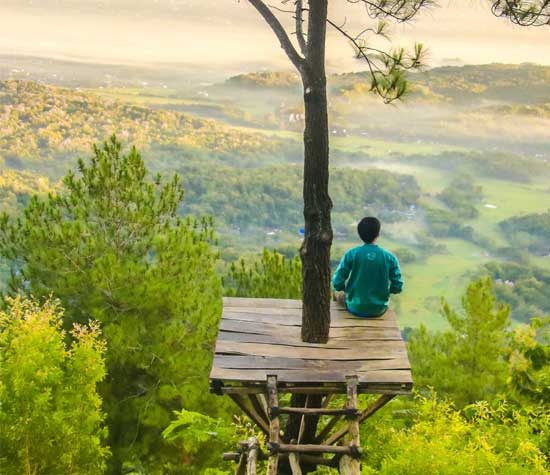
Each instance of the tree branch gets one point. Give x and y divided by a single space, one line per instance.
299 26
523 13
389 84
280 33
400 10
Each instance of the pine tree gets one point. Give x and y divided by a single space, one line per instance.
466 362
270 276
111 246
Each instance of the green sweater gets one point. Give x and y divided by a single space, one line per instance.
368 274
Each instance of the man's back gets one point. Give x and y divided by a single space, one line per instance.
368 274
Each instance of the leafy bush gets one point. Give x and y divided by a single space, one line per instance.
483 439
51 420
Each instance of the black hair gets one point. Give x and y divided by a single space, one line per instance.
369 229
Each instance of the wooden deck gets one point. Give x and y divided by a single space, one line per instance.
261 337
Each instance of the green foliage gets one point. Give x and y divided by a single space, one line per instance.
465 363
45 122
273 275
483 439
271 197
443 223
522 286
111 246
529 361
204 438
51 420
461 196
17 187
405 255
531 231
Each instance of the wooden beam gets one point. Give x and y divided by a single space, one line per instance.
405 389
250 412
327 429
258 407
294 461
240 469
318 411
350 465
253 447
274 425
315 449
369 411
302 420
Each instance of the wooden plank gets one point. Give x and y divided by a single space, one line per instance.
261 302
274 329
264 303
263 362
382 349
295 340
296 321
297 376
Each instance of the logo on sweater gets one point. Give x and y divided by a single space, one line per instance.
371 256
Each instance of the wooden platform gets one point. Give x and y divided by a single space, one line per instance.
261 337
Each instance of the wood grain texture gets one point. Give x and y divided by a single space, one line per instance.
262 337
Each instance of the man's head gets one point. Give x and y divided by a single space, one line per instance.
369 229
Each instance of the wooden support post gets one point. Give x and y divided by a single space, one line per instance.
369 411
250 412
350 464
274 425
294 461
258 407
327 399
327 429
253 448
240 469
303 420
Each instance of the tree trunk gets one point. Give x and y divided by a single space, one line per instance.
315 249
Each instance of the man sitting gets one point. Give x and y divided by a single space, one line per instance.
367 274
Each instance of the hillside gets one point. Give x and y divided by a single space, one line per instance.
441 191
41 122
522 84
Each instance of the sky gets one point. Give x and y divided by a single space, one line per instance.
230 34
